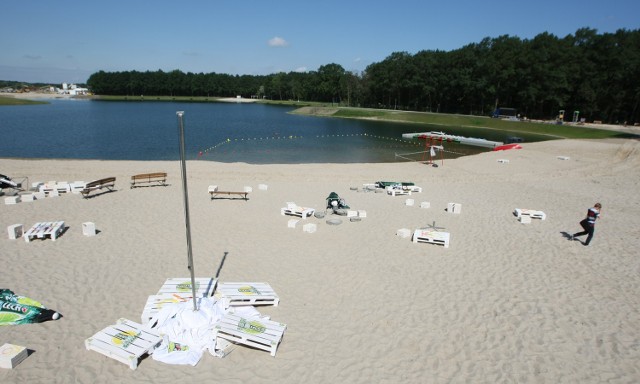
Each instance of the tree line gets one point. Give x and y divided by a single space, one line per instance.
595 74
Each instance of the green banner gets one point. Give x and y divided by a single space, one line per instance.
15 309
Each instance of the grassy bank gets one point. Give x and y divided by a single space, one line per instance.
568 131
16 101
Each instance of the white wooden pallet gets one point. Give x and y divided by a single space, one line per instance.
41 230
236 294
301 212
155 303
258 333
398 192
531 213
125 341
176 290
432 237
182 286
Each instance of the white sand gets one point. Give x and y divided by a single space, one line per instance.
505 303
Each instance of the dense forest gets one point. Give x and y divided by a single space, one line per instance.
596 74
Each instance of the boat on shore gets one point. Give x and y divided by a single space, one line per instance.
441 136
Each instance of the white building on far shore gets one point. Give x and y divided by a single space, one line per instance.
72 89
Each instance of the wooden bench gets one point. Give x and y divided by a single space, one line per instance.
214 192
109 183
148 178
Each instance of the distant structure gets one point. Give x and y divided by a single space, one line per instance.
72 89
505 113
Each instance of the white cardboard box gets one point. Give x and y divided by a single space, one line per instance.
12 355
403 232
309 227
15 231
89 229
12 200
454 208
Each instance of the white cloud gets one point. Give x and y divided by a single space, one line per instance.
300 69
277 42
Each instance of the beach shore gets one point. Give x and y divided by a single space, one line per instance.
35 95
505 302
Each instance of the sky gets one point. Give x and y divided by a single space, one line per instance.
68 40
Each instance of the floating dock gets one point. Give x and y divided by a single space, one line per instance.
441 136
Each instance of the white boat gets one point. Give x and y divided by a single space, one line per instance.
441 136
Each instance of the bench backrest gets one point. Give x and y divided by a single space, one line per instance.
154 175
108 180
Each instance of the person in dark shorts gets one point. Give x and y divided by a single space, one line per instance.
589 223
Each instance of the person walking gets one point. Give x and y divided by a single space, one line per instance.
589 223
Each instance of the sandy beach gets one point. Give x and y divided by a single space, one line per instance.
506 302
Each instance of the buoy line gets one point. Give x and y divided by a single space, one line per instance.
400 141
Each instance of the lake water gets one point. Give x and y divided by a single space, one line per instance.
225 132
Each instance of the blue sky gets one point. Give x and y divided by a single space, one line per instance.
68 40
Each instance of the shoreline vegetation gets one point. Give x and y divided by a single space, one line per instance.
566 130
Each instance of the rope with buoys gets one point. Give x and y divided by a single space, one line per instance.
439 148
398 141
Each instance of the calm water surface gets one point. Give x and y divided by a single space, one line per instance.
225 132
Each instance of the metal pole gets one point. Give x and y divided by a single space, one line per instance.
186 208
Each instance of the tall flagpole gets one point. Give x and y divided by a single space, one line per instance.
186 208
